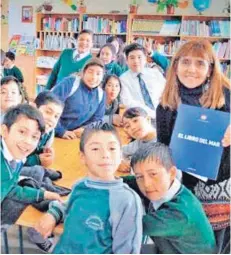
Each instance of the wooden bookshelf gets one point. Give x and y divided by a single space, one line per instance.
46 27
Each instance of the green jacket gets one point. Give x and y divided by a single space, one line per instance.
10 187
113 68
65 66
179 225
14 71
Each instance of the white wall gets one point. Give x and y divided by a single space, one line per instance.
93 6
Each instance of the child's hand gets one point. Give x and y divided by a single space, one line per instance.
46 159
45 225
148 46
124 167
78 132
226 139
52 196
69 135
117 120
49 150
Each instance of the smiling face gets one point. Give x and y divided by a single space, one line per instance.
112 89
93 76
136 60
153 179
10 95
8 62
106 55
137 127
102 155
51 113
84 43
192 71
22 137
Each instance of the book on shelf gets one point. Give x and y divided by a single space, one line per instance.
102 25
147 26
60 24
170 27
46 62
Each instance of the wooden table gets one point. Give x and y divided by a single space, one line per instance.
67 160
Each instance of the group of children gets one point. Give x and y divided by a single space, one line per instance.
86 105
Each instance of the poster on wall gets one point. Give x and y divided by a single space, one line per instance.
27 14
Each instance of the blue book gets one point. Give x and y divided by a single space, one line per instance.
196 140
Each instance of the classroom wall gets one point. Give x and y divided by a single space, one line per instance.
94 6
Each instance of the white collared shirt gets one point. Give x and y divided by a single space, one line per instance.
81 55
131 95
169 195
7 155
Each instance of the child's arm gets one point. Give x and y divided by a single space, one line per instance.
31 195
126 221
99 114
54 215
18 74
62 91
54 74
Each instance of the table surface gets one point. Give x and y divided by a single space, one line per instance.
67 160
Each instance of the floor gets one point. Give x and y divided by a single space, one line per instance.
13 242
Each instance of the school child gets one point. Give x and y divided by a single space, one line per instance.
137 124
51 108
72 60
141 86
10 68
22 128
119 45
12 94
107 54
174 218
112 87
83 98
102 215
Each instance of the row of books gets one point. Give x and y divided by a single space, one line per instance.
219 28
222 49
101 25
162 27
56 42
99 40
60 24
46 62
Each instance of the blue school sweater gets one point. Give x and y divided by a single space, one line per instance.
82 106
102 217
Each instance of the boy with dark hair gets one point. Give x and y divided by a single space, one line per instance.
141 86
10 68
20 133
83 98
100 205
12 93
72 60
51 108
175 219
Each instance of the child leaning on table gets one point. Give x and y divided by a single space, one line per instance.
101 206
21 130
175 219
51 108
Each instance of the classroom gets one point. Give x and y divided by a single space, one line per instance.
115 126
